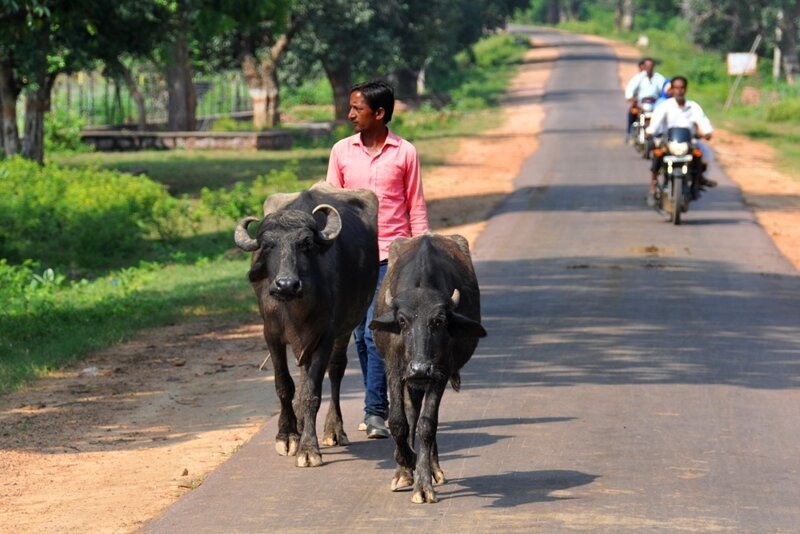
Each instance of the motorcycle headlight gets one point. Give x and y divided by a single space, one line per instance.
678 149
647 107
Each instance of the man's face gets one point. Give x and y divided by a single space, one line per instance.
361 115
648 67
679 90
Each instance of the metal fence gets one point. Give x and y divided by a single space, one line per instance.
105 102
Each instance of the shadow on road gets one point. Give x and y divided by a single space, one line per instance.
518 488
688 321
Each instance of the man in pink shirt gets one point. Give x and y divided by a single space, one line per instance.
388 165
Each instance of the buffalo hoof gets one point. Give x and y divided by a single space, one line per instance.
308 457
403 479
424 495
286 445
438 476
335 438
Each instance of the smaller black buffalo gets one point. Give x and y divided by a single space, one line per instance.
314 271
427 325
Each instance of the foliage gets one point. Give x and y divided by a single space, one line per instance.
787 110
247 199
76 217
62 131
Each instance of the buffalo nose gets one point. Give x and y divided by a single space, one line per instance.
288 285
420 369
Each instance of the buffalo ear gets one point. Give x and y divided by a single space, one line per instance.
385 323
461 326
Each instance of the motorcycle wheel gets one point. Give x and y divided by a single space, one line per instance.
677 200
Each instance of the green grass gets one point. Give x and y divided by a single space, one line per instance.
92 315
184 171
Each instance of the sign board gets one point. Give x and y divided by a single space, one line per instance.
742 63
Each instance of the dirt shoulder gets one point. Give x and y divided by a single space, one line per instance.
773 196
109 443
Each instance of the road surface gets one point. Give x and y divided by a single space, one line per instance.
637 376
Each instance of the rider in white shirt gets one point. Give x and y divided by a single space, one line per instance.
680 112
645 86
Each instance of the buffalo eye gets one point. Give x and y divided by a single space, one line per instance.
402 322
268 244
436 322
306 244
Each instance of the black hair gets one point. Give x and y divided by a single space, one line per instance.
378 94
648 59
685 81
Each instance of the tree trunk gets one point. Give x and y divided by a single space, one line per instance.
407 83
628 9
791 64
37 104
182 104
137 95
553 13
257 89
9 91
269 73
341 80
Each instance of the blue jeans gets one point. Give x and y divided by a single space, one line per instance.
376 401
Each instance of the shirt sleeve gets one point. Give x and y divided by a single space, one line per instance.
335 176
655 121
415 198
633 84
702 121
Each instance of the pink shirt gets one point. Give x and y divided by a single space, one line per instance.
393 174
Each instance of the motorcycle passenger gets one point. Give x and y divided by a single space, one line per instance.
680 112
645 86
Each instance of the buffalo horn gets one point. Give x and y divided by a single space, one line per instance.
333 224
242 238
455 297
388 298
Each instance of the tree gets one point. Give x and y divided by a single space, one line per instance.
256 34
624 15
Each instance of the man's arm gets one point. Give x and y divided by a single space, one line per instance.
415 198
659 114
633 85
702 123
334 176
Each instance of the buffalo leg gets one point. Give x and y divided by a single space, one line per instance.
334 433
308 454
426 426
287 439
399 426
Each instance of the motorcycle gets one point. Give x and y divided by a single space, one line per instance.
679 176
643 111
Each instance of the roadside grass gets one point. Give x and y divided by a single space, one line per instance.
86 317
55 314
774 119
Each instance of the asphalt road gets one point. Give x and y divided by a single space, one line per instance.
637 376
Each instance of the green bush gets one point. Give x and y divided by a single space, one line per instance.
787 110
247 199
62 131
76 217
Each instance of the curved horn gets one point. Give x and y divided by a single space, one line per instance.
388 298
455 298
242 238
333 225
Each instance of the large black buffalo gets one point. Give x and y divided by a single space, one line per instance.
314 270
427 325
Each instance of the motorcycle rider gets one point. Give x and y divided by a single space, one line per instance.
646 85
680 112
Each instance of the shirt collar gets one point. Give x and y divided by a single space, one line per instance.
391 139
